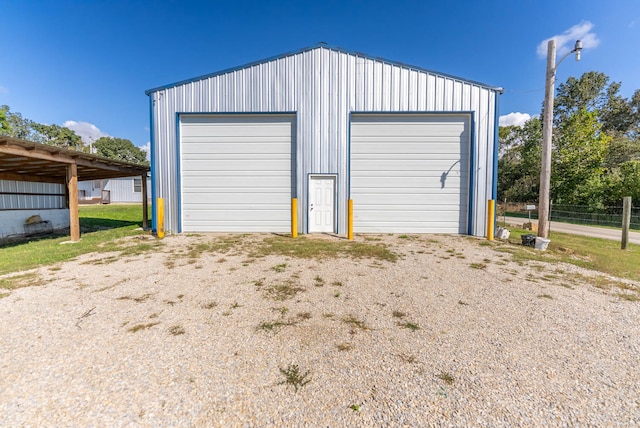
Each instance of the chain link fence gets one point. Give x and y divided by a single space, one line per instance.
577 214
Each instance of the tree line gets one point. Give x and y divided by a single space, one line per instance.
12 124
595 147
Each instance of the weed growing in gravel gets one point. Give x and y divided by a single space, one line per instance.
410 326
336 294
236 305
399 314
154 315
460 302
319 282
136 328
355 407
138 299
355 322
294 377
273 325
210 305
279 268
344 346
304 316
545 296
411 359
478 266
2 295
446 377
176 330
283 291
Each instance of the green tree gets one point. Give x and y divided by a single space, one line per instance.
59 136
519 163
580 150
120 149
18 127
4 123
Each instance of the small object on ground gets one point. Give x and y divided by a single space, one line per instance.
530 226
542 243
528 240
502 233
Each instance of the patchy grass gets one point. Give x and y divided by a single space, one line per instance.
355 322
410 325
446 377
176 330
294 377
478 266
282 291
344 346
318 248
136 328
30 279
139 299
279 268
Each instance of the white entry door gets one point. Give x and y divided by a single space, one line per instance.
322 203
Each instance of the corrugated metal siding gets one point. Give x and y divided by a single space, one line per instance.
12 195
122 189
323 86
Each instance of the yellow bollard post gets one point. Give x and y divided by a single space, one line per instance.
350 221
294 218
491 210
160 226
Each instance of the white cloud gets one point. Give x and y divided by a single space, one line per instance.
566 40
87 131
147 148
516 118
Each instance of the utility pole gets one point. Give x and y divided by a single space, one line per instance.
547 134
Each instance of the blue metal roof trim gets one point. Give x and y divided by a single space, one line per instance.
320 46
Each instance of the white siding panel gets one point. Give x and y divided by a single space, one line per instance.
236 173
409 173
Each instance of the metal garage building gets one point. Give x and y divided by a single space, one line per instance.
415 150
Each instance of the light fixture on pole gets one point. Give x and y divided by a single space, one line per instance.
547 134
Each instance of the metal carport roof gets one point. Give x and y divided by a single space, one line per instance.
22 160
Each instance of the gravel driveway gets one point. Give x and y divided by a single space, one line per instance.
213 330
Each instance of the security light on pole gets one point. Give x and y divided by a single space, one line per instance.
547 133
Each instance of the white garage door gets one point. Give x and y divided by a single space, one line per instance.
236 173
409 173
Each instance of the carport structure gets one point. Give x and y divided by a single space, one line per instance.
22 160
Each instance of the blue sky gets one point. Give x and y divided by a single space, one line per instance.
88 63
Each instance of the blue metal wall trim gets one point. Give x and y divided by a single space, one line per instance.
472 173
152 151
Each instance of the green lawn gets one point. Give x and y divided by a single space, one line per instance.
99 224
603 255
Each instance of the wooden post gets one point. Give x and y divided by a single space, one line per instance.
145 204
72 187
626 220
